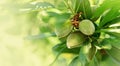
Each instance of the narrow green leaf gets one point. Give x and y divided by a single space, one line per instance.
84 7
98 57
92 52
107 4
68 4
114 53
109 16
83 55
114 30
93 62
114 21
58 47
58 54
114 34
99 11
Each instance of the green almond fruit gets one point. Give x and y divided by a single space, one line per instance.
87 27
75 39
63 29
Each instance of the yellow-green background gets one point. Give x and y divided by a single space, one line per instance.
15 48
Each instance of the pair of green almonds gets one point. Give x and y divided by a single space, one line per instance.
75 39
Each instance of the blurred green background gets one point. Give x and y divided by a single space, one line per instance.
17 46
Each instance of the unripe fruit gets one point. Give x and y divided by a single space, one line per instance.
64 29
75 39
87 27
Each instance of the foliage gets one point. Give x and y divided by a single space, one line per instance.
102 43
